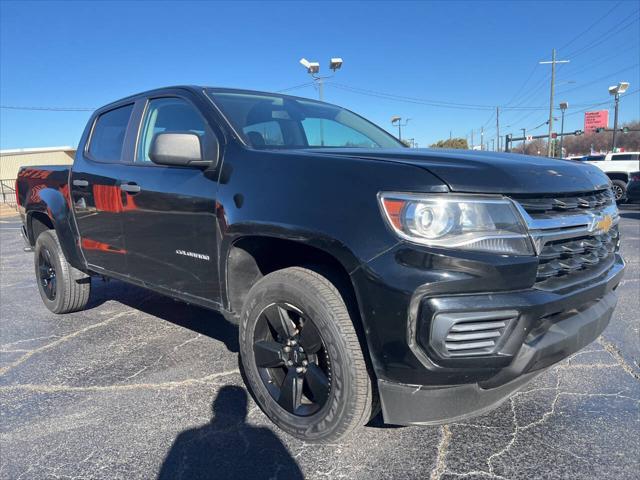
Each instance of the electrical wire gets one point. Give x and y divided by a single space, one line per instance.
48 109
588 29
295 87
609 75
612 32
535 68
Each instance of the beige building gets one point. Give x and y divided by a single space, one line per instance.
12 160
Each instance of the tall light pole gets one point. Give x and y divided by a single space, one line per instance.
553 80
396 120
313 69
563 108
524 142
616 91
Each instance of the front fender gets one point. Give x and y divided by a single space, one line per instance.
54 205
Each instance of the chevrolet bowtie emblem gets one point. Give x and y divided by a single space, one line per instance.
602 224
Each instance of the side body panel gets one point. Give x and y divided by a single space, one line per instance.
170 229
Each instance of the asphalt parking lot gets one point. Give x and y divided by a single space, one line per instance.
140 386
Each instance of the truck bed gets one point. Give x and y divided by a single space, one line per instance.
32 180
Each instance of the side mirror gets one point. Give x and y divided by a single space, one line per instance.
183 150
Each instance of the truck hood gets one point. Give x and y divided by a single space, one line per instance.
489 172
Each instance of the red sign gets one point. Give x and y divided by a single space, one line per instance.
594 120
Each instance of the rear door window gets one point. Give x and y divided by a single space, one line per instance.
107 138
625 156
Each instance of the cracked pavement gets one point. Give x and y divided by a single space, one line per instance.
140 386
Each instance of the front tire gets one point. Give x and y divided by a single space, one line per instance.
619 188
302 358
63 288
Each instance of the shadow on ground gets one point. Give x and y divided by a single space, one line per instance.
228 447
197 319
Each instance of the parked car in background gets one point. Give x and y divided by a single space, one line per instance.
618 167
633 187
593 158
362 274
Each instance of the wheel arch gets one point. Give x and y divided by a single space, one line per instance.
251 257
52 212
624 176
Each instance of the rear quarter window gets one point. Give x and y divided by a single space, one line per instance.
107 138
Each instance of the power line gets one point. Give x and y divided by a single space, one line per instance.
423 101
612 32
588 29
91 109
632 92
597 62
535 68
295 87
49 109
418 100
609 75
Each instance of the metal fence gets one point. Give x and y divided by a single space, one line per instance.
8 192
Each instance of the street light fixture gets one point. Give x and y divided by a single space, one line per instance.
563 108
313 69
616 91
335 64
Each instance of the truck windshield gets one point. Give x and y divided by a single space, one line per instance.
268 121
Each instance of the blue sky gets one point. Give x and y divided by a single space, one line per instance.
86 54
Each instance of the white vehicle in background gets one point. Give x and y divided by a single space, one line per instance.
618 167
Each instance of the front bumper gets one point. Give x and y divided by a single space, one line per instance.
402 291
416 404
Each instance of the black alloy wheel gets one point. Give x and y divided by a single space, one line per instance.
618 191
292 359
47 274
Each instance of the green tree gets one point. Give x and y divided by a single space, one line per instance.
459 143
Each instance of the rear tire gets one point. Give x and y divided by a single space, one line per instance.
619 188
63 288
305 296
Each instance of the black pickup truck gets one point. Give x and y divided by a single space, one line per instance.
363 275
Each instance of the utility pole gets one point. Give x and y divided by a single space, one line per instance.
498 126
617 90
493 144
471 139
553 81
397 120
524 142
481 138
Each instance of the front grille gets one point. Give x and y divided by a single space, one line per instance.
472 333
551 206
569 261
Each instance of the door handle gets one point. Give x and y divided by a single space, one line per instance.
130 187
80 183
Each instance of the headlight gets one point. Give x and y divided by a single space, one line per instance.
489 224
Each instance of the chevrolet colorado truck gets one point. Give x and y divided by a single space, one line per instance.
432 284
